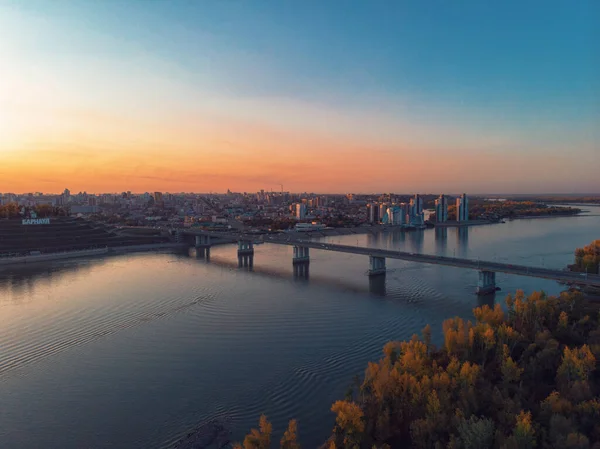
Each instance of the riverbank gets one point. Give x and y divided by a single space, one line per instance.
334 232
461 224
526 217
9 261
29 259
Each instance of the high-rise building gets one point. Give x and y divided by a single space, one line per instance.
462 208
373 213
405 211
396 216
416 216
382 210
300 211
66 197
441 209
418 204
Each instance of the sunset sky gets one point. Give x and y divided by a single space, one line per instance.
324 96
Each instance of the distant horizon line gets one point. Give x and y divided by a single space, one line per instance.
321 193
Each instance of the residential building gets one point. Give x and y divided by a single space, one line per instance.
373 213
462 208
416 217
300 211
441 209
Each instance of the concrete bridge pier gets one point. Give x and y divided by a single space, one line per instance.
377 285
202 240
301 262
245 254
203 246
376 266
487 283
203 252
246 261
301 255
301 271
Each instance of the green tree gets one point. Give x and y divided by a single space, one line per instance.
476 433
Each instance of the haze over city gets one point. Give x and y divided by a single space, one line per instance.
210 96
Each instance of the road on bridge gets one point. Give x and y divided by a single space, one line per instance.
481 265
592 280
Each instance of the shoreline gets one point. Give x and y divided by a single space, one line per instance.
334 232
49 257
537 217
463 224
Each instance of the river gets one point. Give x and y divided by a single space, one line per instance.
135 351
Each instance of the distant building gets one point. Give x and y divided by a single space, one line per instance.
405 211
419 204
396 215
462 208
382 210
75 210
373 213
441 209
416 217
300 211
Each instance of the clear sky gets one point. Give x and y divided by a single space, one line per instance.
328 96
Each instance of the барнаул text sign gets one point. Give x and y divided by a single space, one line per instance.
35 221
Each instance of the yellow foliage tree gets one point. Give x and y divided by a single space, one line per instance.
349 422
289 439
258 438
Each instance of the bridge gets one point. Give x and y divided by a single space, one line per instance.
377 257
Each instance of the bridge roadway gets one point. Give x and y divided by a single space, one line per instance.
481 265
592 280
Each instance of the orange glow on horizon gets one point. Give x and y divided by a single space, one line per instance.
211 155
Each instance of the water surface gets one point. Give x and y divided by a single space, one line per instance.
137 350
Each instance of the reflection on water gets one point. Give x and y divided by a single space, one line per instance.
377 285
302 271
462 242
22 281
135 351
441 240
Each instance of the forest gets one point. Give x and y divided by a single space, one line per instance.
513 209
522 378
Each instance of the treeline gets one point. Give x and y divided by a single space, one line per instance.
528 378
560 199
480 208
13 210
587 259
507 209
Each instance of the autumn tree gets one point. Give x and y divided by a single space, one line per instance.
522 377
258 438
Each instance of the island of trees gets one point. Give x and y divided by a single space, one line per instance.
527 378
560 199
517 209
587 259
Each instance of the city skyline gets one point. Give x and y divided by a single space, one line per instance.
174 97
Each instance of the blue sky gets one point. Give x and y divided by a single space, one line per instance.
512 79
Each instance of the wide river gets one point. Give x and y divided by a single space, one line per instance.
136 351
